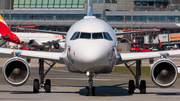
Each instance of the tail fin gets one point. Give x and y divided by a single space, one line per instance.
4 29
89 7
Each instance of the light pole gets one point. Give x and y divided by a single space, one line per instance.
3 8
132 24
10 14
124 13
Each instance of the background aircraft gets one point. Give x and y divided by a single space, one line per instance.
90 49
38 40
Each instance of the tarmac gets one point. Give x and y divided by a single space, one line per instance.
68 86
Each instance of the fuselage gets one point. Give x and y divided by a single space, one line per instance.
38 38
93 48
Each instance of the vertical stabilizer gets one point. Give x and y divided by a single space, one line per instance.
89 8
4 29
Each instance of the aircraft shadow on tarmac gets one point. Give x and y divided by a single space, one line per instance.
115 90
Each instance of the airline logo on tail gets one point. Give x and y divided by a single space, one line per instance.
4 29
6 33
89 8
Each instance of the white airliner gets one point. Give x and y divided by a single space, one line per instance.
34 39
90 49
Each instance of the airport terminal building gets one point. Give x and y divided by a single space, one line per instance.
142 13
59 15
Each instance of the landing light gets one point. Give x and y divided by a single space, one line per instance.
87 73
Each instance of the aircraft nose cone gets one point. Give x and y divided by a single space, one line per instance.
92 55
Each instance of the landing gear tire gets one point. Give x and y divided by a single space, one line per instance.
87 91
36 86
143 87
131 87
93 91
48 86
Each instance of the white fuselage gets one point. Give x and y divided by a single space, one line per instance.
38 38
93 55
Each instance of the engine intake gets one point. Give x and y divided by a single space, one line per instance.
60 45
16 71
164 72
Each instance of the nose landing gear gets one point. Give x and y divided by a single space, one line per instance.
91 88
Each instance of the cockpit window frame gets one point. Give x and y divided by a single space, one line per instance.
74 36
97 37
80 36
109 36
105 35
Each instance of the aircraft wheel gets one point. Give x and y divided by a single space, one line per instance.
36 86
93 91
87 91
143 87
48 86
131 87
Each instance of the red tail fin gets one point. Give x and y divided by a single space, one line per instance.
4 29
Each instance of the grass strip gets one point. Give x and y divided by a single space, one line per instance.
145 70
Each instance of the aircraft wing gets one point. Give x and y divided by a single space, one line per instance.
44 31
123 57
132 32
54 56
178 24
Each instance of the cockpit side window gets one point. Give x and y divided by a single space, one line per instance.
85 35
75 36
97 36
107 36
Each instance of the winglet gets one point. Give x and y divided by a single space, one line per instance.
89 8
4 29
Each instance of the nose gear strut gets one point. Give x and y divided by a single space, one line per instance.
91 88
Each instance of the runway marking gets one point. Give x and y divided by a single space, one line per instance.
106 97
85 79
61 70
31 79
76 90
67 88
57 70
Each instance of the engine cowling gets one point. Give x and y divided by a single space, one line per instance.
164 72
60 45
16 71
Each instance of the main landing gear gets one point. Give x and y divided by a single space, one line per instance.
47 84
91 88
131 85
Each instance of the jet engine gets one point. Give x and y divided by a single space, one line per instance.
60 45
16 71
164 73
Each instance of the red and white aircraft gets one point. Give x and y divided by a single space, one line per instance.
90 49
34 39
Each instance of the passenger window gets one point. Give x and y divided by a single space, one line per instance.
85 35
75 36
97 36
107 36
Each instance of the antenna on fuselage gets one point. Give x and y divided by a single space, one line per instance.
89 7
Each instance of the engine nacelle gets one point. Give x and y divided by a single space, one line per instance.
60 45
164 72
16 71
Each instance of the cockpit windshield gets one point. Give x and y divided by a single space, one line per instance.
97 35
85 35
107 36
75 36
